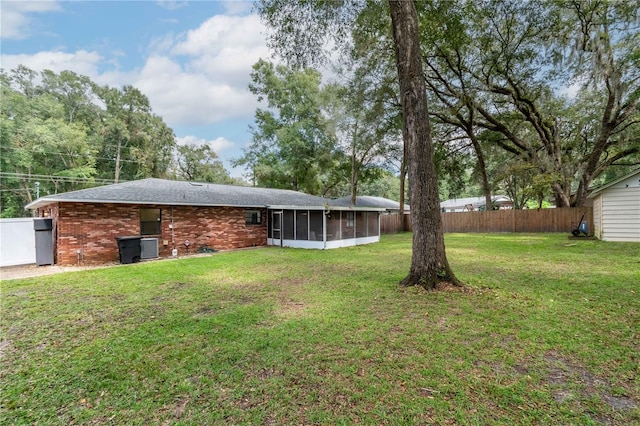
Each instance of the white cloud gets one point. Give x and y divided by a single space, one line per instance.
231 65
218 145
197 78
201 76
15 19
221 31
161 45
237 7
171 4
81 61
183 97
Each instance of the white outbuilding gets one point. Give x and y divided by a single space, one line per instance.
616 209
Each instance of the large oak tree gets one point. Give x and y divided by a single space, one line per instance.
497 67
300 32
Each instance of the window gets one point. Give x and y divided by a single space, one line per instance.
150 222
252 217
350 219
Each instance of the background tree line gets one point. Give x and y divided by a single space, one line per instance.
480 82
536 100
66 132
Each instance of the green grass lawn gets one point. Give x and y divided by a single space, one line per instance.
548 333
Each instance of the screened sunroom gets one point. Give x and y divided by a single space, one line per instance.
322 228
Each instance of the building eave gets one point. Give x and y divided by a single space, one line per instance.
324 207
43 202
597 191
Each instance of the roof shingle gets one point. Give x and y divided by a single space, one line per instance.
171 192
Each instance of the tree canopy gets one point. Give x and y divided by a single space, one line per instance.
538 100
292 146
300 28
64 132
534 99
501 71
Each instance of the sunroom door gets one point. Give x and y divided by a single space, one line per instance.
276 225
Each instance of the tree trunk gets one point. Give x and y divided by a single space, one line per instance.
354 177
429 265
403 176
486 188
562 199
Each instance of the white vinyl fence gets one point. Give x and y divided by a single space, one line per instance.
17 242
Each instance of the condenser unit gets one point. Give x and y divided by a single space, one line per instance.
148 248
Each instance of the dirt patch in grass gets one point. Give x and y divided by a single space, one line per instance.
447 286
442 286
290 304
290 309
205 312
572 384
4 344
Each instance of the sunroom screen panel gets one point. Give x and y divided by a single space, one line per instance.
361 224
315 225
333 226
348 224
372 219
288 224
302 225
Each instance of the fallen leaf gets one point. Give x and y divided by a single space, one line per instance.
179 410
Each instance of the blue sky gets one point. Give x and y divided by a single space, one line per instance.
192 59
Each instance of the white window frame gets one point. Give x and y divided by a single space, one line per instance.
249 216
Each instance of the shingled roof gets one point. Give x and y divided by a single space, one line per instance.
369 201
171 192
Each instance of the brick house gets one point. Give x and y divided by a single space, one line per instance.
178 217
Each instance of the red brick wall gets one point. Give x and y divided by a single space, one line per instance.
92 229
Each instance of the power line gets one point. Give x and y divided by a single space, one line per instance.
35 177
16 190
71 155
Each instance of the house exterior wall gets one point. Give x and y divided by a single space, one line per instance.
86 232
620 211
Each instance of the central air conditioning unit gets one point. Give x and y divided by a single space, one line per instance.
148 248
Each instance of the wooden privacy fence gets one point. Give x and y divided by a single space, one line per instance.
394 223
543 220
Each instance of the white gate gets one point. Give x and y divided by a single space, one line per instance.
17 242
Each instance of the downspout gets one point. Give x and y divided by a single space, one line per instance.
355 227
174 251
281 236
281 242
324 227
